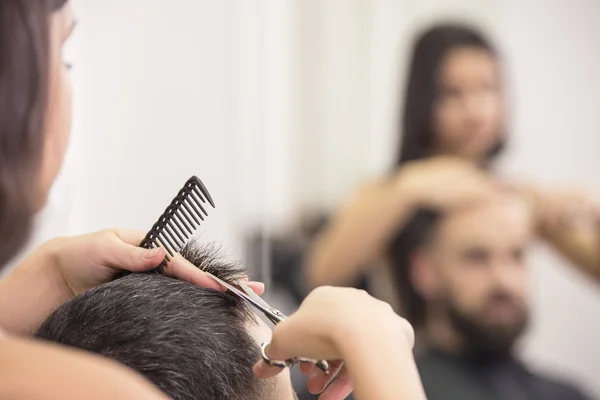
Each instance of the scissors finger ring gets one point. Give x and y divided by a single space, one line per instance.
321 364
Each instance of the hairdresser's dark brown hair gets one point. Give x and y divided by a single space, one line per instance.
429 52
24 64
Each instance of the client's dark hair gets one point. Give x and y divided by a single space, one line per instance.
189 341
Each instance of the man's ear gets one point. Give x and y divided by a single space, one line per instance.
423 274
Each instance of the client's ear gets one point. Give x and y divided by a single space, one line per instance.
423 275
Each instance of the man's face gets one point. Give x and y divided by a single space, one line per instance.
282 383
481 282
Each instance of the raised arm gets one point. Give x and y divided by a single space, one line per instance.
363 227
358 233
580 245
570 222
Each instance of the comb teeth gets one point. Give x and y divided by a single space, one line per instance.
180 220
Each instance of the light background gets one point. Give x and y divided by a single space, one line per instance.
282 106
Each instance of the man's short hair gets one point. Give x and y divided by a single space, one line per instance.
190 341
419 232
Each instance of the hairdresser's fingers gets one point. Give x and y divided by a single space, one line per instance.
595 213
583 211
559 210
257 287
288 341
184 270
263 371
128 236
278 350
340 388
111 249
281 350
307 368
574 212
318 380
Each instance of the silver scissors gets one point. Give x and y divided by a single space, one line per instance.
274 315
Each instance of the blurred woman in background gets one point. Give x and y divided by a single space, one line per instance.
453 130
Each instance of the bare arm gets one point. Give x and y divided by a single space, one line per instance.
363 228
569 221
30 293
578 244
358 234
30 370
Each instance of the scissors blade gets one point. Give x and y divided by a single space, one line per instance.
274 314
254 300
253 295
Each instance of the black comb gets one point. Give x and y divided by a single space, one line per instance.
176 226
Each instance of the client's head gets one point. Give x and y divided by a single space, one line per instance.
193 343
472 275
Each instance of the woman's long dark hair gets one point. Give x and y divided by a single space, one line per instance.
429 52
24 65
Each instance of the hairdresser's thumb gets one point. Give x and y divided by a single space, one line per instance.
137 259
280 348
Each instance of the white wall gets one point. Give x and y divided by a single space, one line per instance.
283 105
155 106
554 58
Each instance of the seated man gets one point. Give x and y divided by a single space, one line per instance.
468 284
192 342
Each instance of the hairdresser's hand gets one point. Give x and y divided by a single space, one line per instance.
89 260
335 324
444 183
564 209
62 268
569 221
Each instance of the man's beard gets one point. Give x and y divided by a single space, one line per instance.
485 341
